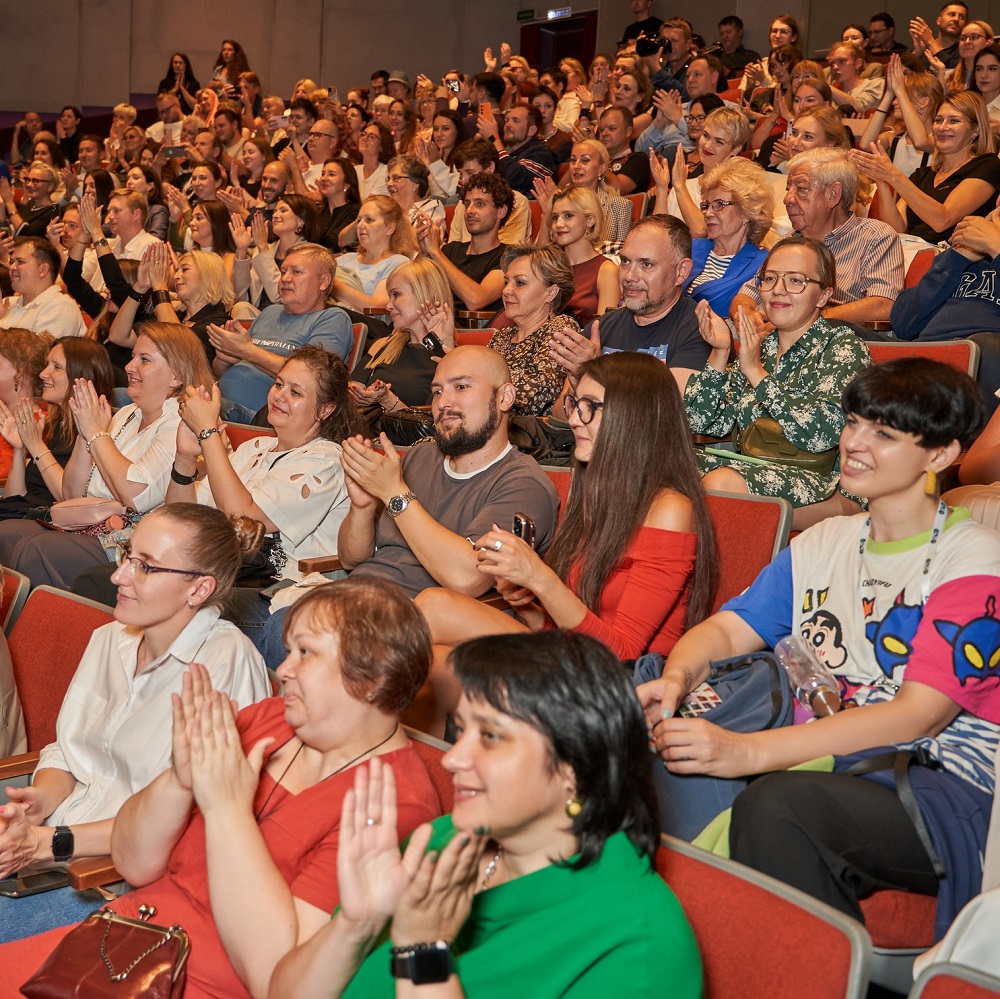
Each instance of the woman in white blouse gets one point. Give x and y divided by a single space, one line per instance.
113 734
292 483
125 456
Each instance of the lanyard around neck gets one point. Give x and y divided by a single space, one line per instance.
936 530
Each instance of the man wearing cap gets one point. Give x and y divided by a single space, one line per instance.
398 85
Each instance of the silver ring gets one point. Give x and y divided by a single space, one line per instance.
372 822
497 545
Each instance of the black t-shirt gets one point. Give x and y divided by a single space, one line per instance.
673 339
636 168
330 224
475 266
410 375
649 28
985 167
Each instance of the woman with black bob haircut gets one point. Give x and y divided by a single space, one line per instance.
913 588
633 561
556 835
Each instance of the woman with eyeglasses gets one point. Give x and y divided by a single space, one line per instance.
38 208
793 376
376 146
633 561
113 734
407 182
736 212
975 36
962 178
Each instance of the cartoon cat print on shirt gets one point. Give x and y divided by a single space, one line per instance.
892 637
975 646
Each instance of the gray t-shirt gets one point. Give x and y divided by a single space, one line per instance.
467 505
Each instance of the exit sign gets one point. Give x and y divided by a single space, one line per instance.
525 15
554 15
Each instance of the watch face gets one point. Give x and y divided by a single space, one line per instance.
398 504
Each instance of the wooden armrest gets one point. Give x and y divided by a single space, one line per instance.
477 316
877 325
375 312
18 766
92 872
321 563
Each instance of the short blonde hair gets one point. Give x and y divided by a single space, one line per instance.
749 190
215 283
125 111
734 123
183 352
586 201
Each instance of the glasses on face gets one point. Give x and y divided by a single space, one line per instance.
322 135
793 282
971 37
141 570
695 119
584 408
716 204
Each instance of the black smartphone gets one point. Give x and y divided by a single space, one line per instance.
452 85
433 343
174 152
32 884
524 528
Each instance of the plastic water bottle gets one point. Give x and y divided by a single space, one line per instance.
816 688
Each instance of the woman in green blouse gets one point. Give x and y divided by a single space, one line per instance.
794 375
541 879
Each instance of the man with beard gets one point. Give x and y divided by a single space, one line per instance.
415 518
657 317
473 267
524 158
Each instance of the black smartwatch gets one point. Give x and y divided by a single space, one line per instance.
422 963
62 844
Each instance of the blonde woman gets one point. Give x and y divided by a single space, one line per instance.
385 240
399 368
577 224
962 178
975 36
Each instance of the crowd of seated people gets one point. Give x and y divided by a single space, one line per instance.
751 222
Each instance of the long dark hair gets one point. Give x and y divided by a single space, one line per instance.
456 120
237 66
104 184
218 218
572 690
189 77
643 448
331 386
305 211
85 358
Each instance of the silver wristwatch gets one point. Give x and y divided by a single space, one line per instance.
397 504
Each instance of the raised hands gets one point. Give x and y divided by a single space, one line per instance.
90 217
659 169
439 317
242 238
713 329
669 108
571 349
200 408
544 189
92 412
258 227
230 340
195 689
875 164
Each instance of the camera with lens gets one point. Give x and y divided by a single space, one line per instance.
650 46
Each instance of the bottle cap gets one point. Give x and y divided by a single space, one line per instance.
824 702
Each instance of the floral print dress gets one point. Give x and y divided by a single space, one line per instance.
801 391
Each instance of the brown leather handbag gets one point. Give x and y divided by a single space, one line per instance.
765 439
111 957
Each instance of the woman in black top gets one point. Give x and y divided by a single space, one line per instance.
338 183
180 80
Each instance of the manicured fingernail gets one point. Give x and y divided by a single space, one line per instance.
433 856
482 830
466 840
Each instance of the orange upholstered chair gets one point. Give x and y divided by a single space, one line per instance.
759 937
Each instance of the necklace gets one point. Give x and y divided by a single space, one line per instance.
491 869
349 763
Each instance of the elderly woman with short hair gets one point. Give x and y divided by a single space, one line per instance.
407 182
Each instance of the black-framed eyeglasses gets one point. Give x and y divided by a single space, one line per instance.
716 204
696 118
142 569
793 282
974 37
584 408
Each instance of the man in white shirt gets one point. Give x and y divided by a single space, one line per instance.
38 304
167 130
126 219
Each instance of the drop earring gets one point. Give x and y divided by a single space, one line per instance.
931 483
573 807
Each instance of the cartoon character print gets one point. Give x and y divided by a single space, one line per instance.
825 637
892 637
975 646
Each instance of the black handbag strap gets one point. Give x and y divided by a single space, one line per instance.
900 762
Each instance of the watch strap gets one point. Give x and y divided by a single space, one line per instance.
422 963
203 435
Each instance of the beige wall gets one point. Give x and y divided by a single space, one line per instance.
97 51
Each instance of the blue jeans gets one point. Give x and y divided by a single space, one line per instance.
25 917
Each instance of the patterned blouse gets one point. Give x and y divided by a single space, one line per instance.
537 377
802 392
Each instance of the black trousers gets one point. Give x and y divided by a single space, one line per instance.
835 837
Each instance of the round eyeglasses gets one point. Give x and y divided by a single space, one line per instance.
584 408
793 282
